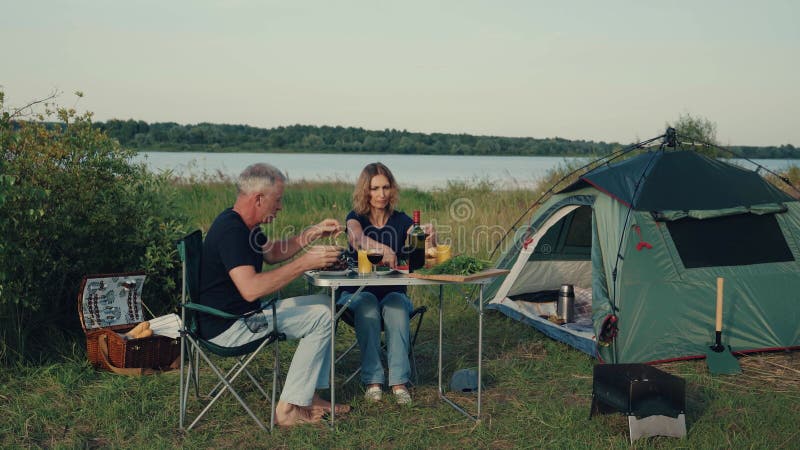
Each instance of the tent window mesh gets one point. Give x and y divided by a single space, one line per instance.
580 230
729 241
569 239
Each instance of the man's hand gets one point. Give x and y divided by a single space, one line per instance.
328 227
253 285
320 256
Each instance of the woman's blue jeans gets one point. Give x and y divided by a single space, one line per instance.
393 310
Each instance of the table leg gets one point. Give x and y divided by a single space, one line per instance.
477 417
335 316
333 356
441 304
480 351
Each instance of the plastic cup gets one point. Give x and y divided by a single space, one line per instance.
364 266
442 253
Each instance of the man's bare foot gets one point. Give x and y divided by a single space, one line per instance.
319 403
287 414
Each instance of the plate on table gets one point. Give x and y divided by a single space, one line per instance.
334 273
383 273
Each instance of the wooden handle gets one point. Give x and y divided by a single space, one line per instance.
720 282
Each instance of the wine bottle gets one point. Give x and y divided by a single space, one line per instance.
416 244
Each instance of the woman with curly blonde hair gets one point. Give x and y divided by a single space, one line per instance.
375 223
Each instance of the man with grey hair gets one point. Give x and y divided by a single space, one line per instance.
234 252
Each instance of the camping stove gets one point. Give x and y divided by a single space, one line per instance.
653 400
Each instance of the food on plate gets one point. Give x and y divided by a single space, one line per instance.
457 265
340 264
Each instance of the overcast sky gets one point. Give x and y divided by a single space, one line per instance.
597 70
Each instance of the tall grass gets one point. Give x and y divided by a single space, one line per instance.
471 218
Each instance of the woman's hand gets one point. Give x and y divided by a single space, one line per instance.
389 257
430 240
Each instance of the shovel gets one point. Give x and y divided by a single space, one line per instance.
719 358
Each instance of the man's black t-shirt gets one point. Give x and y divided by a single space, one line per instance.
228 244
393 235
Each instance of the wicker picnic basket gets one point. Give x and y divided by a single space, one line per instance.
109 305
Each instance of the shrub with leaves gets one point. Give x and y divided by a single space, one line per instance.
73 203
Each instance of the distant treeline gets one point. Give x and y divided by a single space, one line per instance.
209 137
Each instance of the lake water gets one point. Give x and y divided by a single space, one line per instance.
422 171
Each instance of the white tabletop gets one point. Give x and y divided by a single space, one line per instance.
318 278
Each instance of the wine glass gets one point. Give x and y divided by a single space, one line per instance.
375 256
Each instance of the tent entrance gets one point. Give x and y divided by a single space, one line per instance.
557 253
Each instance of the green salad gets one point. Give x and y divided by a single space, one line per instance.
457 265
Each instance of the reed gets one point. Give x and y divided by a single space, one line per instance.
471 218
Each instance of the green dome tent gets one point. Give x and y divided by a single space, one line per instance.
643 241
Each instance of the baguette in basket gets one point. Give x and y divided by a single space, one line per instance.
139 331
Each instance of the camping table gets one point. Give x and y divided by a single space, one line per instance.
334 282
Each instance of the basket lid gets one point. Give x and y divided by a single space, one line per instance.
107 300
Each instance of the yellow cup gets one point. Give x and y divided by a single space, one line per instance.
442 253
364 266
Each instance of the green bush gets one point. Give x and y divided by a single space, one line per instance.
72 203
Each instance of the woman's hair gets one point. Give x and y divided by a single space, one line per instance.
361 192
258 177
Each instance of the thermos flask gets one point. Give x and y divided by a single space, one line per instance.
565 306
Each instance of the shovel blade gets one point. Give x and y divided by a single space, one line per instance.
722 363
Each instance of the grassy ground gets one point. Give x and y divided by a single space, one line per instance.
538 391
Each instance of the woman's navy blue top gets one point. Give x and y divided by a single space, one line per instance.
393 235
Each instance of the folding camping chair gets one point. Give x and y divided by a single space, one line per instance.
194 347
417 314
